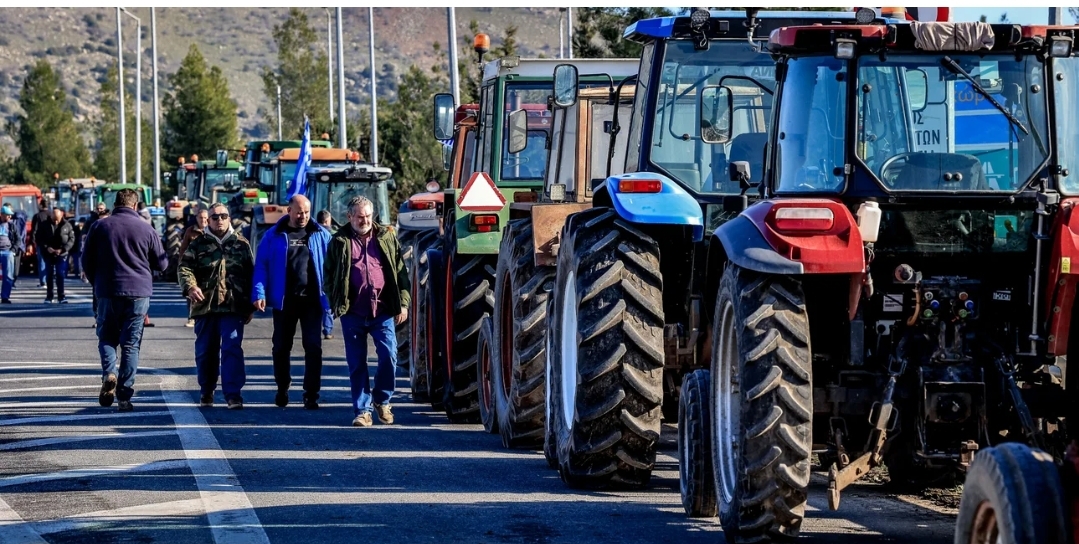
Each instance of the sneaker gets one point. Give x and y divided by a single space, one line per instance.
124 406
281 399
63 301
362 420
236 404
108 391
309 404
207 400
327 337
41 286
190 323
48 301
384 413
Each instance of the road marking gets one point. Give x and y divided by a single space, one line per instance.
73 403
49 363
13 530
34 378
57 388
24 444
11 481
77 417
122 516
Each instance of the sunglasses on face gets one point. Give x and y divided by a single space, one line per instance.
219 216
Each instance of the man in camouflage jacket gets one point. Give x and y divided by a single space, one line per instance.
215 273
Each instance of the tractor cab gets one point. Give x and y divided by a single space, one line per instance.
331 187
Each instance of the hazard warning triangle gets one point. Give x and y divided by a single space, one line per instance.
480 195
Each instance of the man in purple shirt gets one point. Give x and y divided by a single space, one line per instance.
368 288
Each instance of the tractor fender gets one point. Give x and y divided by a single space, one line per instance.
833 249
672 205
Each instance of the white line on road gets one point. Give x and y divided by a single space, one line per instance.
35 378
57 388
138 402
77 417
122 516
24 444
89 472
14 530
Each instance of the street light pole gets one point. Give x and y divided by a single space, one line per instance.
329 60
569 30
342 127
561 34
1055 15
374 95
120 85
157 110
138 98
279 112
455 82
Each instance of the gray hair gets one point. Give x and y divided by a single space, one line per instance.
360 201
214 206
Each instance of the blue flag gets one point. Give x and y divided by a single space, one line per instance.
299 182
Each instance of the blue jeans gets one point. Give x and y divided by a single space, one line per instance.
327 322
7 269
219 345
119 328
382 332
55 272
40 267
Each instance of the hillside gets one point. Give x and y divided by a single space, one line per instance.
81 44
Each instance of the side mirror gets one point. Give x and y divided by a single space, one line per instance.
447 157
917 88
222 158
444 111
518 131
565 85
740 173
717 104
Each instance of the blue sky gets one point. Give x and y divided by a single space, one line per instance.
1015 15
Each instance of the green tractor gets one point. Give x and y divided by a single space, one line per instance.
107 193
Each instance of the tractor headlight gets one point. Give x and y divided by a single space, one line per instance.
844 49
1060 46
698 18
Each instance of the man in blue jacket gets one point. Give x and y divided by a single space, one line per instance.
12 236
121 254
288 278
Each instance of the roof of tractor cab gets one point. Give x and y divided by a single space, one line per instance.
901 37
544 68
317 154
212 165
349 172
729 25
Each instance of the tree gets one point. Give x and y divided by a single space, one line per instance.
301 73
598 32
46 134
107 133
200 114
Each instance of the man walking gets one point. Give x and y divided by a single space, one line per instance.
288 278
202 219
11 245
54 240
121 255
40 218
368 287
215 273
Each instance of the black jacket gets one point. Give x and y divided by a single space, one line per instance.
40 218
50 235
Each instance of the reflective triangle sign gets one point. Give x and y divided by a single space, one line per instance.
480 195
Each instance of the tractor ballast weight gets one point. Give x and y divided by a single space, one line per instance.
902 292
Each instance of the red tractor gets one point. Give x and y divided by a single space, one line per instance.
902 293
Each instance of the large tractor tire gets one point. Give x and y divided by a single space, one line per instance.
763 409
550 441
434 329
695 478
518 380
488 416
417 319
607 352
407 241
1012 495
468 282
174 235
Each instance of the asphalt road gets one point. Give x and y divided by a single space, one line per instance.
171 472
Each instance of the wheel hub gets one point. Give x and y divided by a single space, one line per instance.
725 389
569 349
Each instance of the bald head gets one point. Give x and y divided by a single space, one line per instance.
299 211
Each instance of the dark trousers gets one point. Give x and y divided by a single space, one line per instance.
55 271
219 352
308 312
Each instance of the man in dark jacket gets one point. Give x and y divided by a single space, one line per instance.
288 278
11 243
368 287
54 240
122 252
40 218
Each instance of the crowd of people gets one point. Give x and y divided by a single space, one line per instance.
301 272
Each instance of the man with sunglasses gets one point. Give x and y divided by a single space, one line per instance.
215 272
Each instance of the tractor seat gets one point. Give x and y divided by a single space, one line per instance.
749 147
925 172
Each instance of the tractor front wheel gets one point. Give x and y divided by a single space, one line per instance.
417 319
695 479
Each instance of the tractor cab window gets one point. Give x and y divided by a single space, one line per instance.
728 85
22 203
531 162
923 125
219 180
561 167
811 125
338 194
1066 95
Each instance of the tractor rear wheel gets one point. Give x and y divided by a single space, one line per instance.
417 319
488 415
695 479
468 282
407 241
1012 495
436 379
174 235
607 352
763 405
518 380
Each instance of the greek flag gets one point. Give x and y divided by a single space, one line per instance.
299 183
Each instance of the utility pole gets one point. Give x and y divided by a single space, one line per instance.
157 110
279 113
374 95
342 127
455 82
1056 15
329 60
120 85
569 30
138 98
561 34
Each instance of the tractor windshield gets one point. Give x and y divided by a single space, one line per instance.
218 178
924 126
1066 95
727 86
64 197
21 203
286 171
336 195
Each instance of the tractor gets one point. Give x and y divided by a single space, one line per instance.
419 225
512 370
106 193
332 186
901 291
464 259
